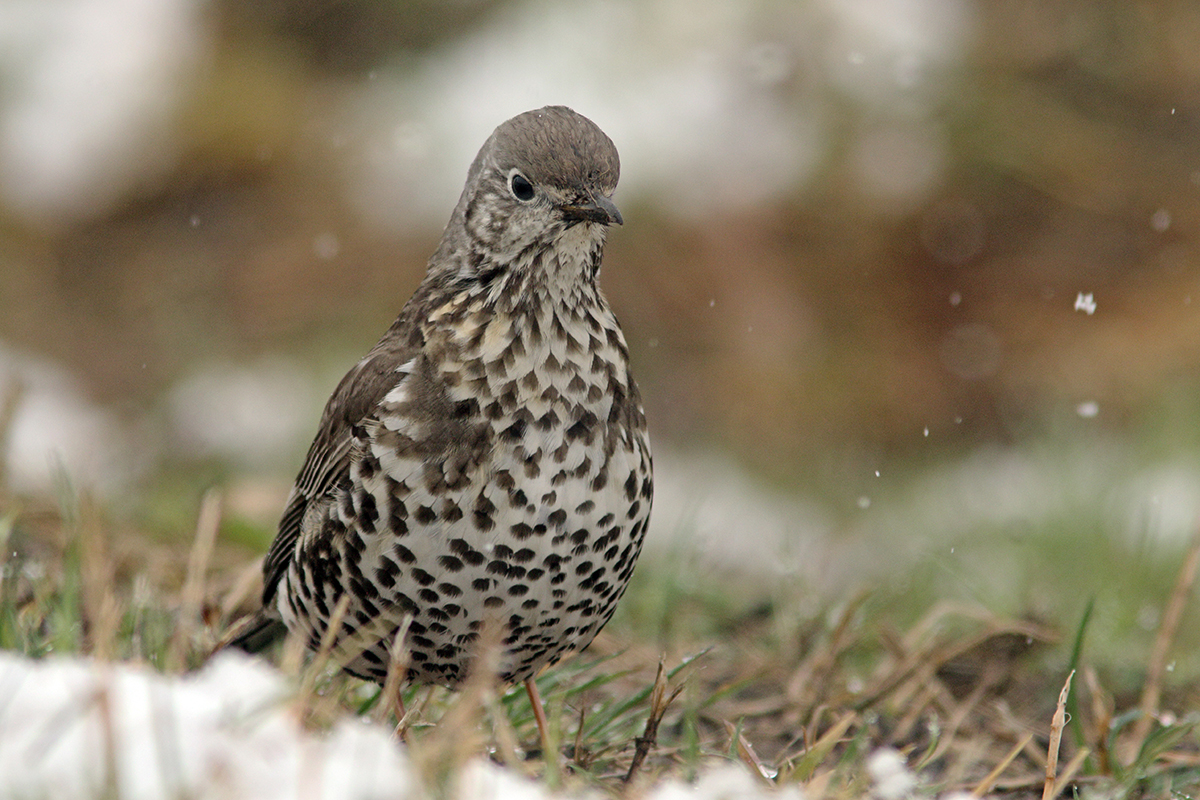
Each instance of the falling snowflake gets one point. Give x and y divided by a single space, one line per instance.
1085 303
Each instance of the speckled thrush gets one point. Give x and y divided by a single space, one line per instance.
488 458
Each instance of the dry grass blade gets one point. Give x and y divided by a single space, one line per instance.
104 708
985 785
7 520
321 659
504 735
1102 717
105 628
192 597
1068 773
247 584
1157 665
8 412
349 642
1016 727
291 661
659 703
99 607
318 708
958 713
397 670
920 654
1050 788
457 736
806 767
818 785
810 679
750 758
577 747
325 651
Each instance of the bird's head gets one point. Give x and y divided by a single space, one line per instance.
539 192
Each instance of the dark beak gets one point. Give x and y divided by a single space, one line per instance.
597 209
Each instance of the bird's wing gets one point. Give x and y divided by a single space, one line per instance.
329 457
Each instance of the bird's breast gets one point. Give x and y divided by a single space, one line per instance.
536 523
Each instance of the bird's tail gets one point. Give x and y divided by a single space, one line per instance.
254 633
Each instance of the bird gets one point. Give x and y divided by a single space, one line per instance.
488 460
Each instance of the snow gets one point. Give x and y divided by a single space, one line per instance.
890 774
74 727
58 433
91 91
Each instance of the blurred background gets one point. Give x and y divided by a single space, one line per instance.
911 286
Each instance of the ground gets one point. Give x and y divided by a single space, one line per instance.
815 697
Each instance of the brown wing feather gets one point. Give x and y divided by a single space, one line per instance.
329 457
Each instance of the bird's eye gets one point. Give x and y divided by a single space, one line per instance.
522 189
